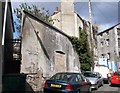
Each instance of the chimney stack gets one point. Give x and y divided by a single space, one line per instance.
56 10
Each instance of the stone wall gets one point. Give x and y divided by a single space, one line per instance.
45 51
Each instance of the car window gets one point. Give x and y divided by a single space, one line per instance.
78 78
90 74
62 77
117 73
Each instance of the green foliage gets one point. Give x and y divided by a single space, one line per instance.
82 48
41 13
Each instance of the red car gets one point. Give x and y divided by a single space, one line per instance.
115 79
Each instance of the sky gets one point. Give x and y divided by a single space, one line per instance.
104 12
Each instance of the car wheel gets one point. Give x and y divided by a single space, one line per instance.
110 84
78 91
97 87
90 90
102 83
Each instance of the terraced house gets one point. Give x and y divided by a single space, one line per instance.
109 44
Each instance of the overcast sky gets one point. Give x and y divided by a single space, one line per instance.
104 13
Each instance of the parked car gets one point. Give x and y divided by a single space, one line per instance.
104 71
95 79
115 79
67 82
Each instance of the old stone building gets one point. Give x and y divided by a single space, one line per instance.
45 51
68 20
46 48
109 44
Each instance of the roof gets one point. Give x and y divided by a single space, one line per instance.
75 13
45 23
79 16
108 29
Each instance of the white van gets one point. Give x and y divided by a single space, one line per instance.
103 70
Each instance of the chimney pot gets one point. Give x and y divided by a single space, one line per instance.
56 10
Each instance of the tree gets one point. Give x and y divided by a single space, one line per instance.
81 46
41 13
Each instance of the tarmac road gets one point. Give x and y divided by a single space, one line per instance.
107 89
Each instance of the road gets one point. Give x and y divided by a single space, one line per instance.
107 89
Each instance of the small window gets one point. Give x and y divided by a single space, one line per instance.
119 42
101 35
102 55
107 42
102 44
108 55
118 31
119 54
107 32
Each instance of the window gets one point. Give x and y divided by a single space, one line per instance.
102 55
78 78
101 35
107 32
118 31
107 42
108 55
119 54
102 44
119 42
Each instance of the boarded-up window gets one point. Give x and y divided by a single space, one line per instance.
60 62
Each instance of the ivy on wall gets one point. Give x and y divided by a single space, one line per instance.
81 46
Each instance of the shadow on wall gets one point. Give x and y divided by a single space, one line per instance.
40 41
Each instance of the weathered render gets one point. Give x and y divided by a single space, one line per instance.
70 23
67 19
45 51
109 44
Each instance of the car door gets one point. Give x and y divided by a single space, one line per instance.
100 80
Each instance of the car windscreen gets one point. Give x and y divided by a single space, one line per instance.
94 75
62 77
117 73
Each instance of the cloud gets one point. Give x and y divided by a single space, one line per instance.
97 0
60 0
104 14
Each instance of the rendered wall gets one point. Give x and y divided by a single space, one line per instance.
43 48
